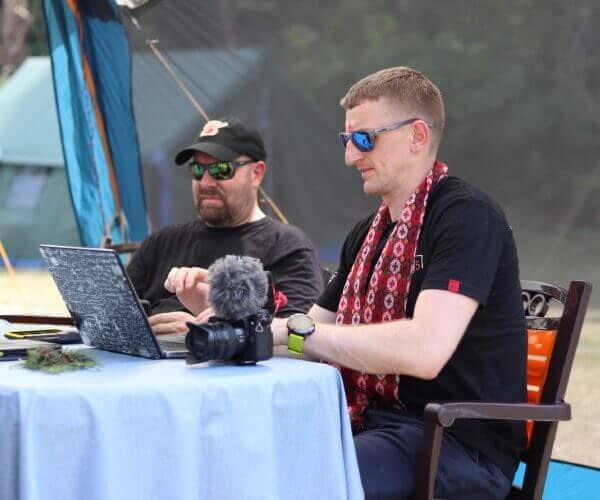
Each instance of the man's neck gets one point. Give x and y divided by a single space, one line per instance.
396 200
255 214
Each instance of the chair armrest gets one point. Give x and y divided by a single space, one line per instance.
437 416
123 247
445 413
38 319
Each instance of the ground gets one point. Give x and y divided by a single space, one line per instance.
34 291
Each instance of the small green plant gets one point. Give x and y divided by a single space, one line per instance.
55 361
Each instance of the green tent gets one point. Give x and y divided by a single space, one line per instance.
35 206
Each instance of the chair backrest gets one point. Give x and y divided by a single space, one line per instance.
552 342
327 275
121 248
541 335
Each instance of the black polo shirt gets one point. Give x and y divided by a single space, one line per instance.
466 246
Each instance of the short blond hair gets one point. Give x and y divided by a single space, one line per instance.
406 87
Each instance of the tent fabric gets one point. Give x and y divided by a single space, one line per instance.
568 481
108 53
29 133
243 82
221 71
29 216
90 62
36 207
306 175
167 121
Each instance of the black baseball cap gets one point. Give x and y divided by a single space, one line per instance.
225 140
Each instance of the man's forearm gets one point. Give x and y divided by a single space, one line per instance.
419 347
394 347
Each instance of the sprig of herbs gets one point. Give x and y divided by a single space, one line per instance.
56 361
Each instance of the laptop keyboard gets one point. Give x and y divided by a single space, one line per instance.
172 343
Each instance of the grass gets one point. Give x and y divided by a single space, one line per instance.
35 292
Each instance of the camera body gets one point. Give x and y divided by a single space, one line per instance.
243 341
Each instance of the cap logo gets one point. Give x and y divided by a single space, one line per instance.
212 128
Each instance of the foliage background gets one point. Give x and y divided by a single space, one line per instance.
520 78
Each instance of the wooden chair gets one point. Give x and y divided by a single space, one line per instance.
552 344
127 248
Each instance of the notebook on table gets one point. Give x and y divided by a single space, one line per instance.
104 305
11 350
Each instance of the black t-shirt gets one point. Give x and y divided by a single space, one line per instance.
283 249
465 243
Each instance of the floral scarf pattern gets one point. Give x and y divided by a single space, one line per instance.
383 296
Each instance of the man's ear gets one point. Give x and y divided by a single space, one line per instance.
258 172
421 136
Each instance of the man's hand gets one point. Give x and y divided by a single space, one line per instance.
172 322
204 315
189 284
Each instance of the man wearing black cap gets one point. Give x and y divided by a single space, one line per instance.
227 164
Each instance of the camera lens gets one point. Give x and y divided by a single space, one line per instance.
215 341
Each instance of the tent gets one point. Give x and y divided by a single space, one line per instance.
36 205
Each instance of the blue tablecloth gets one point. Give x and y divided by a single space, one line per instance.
141 429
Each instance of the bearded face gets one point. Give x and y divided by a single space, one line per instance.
224 203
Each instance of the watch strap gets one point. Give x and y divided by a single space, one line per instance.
296 343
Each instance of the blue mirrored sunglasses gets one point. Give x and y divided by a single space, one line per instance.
364 140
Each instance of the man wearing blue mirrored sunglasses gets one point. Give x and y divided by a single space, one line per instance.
425 306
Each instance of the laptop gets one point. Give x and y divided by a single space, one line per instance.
104 305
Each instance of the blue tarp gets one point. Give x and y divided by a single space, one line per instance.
568 481
96 119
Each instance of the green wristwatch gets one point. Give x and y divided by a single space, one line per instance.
299 326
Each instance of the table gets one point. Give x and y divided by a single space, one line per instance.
143 429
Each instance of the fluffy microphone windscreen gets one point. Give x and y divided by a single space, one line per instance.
238 286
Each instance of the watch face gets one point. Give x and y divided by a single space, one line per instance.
301 324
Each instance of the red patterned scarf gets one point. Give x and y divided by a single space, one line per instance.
384 296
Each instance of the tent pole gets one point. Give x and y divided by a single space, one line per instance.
12 275
163 61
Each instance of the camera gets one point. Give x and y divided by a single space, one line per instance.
244 341
241 294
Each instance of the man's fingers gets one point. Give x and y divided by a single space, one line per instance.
189 280
169 281
157 319
169 317
205 315
174 278
165 328
173 322
194 276
181 279
201 288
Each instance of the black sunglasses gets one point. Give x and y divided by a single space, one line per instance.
364 140
219 171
